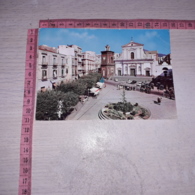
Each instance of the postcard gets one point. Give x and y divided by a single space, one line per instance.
104 74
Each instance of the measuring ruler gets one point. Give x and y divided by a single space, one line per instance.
30 75
28 114
120 24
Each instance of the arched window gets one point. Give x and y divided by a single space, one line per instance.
132 55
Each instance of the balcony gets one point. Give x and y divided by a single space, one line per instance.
44 63
79 68
44 78
44 67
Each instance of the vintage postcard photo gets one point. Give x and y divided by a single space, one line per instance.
104 74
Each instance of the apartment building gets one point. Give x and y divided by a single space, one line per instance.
52 67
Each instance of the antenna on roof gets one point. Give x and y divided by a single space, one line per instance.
131 39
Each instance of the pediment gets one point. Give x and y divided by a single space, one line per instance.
132 44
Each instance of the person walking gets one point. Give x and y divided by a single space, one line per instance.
159 99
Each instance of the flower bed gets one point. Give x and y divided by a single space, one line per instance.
115 111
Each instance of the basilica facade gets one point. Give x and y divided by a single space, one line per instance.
135 60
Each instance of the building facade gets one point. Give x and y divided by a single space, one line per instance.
65 63
89 62
52 67
135 60
76 53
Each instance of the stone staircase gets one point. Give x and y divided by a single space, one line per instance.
102 116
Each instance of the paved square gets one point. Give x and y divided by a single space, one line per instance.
89 110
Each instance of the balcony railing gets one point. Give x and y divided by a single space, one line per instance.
44 63
79 68
44 78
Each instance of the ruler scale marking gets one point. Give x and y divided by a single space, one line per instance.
28 114
30 75
118 23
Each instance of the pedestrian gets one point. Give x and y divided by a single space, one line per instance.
159 99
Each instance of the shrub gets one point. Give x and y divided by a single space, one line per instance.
143 112
133 113
124 107
130 117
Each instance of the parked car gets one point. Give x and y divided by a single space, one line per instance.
139 84
129 81
94 90
100 85
133 82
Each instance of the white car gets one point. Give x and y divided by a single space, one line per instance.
95 90
139 84
129 81
100 85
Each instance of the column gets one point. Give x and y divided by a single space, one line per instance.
151 67
128 69
122 68
137 69
140 53
140 69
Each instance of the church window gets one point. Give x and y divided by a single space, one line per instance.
132 55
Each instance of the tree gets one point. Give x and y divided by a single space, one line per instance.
88 82
48 105
75 87
124 97
123 106
69 100
52 102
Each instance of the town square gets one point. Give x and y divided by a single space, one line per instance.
117 78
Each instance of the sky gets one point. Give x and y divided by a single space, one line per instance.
96 39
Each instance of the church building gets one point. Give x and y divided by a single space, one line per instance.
135 60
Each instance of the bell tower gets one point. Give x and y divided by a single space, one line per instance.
107 62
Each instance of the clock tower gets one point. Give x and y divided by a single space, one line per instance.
107 62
